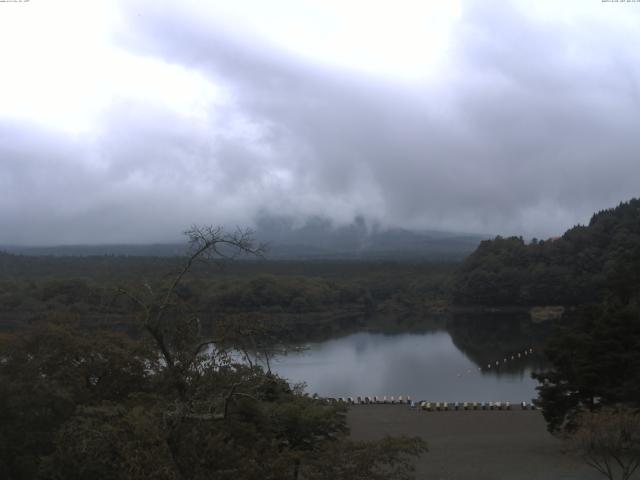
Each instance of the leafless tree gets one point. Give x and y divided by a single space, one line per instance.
170 322
609 441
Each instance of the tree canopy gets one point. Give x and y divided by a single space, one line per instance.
172 403
595 362
574 269
594 355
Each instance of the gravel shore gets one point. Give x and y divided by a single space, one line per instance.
474 445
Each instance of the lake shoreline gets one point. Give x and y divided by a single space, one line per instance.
431 366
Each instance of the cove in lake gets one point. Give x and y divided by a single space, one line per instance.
425 365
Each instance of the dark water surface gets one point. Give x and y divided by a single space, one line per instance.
425 365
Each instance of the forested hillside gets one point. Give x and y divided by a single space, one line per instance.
304 297
574 269
593 354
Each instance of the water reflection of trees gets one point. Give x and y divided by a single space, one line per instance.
487 338
320 329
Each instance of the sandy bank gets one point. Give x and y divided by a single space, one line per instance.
474 445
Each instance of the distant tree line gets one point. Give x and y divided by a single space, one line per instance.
305 296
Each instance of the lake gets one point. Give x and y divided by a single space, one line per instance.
425 365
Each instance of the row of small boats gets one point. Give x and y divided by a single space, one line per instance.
399 400
430 406
444 406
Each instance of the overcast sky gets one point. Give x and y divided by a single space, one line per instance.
129 121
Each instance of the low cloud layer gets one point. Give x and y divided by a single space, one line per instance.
529 126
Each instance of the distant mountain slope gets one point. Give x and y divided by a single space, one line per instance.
317 239
577 268
142 250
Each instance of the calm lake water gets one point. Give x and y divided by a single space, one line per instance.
426 366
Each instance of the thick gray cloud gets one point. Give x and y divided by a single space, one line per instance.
531 127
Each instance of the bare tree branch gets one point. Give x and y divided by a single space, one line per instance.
609 441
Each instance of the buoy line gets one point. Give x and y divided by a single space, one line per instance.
495 365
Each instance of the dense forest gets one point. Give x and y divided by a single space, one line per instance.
593 354
307 297
173 401
574 269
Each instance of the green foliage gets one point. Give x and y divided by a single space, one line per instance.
111 441
304 299
596 362
77 405
46 373
574 269
173 404
594 269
